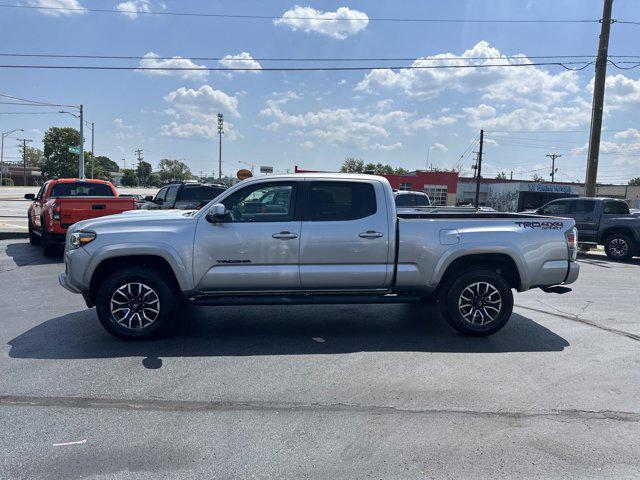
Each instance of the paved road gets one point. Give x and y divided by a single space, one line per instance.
321 392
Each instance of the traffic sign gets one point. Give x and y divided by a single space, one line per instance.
243 174
266 169
74 150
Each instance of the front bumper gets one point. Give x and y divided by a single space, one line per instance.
63 280
572 274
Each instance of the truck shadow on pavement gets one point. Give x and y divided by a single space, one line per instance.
24 254
286 330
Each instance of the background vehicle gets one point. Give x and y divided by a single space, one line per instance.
61 203
602 221
139 199
407 201
183 196
312 239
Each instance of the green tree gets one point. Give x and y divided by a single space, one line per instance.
401 171
501 176
108 165
352 165
173 170
143 170
634 181
97 171
129 178
58 161
35 156
153 180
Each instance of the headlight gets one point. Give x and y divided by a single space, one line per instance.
78 239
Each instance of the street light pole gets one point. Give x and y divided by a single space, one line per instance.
93 152
220 132
81 157
5 134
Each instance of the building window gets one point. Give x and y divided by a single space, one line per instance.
405 186
437 194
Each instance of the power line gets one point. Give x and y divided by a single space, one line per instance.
288 17
32 102
299 69
299 59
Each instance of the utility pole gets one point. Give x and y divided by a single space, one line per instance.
511 176
2 135
598 101
553 157
479 169
24 159
138 152
220 132
93 152
81 158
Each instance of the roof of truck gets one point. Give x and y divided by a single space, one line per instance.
330 176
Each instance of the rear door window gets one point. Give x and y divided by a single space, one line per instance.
615 208
422 201
331 201
583 206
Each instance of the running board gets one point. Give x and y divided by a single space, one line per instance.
301 299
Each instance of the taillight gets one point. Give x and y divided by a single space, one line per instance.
55 212
572 243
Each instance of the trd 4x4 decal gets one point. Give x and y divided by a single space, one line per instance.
543 225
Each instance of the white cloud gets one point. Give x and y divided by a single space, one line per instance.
440 147
204 98
340 24
119 124
384 104
522 85
621 92
385 148
242 60
195 113
152 60
131 7
75 5
308 145
631 133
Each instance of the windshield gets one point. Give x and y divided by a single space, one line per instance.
81 189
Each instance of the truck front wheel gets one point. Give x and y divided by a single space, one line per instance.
136 303
477 303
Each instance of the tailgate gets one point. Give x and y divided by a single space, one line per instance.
74 209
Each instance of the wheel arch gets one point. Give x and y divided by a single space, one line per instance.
618 230
501 263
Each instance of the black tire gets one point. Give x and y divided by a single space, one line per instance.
49 248
480 319
34 239
163 288
619 247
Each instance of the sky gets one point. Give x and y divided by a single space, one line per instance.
407 118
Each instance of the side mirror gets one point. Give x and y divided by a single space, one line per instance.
216 213
148 198
29 196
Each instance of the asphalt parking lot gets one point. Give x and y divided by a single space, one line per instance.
354 391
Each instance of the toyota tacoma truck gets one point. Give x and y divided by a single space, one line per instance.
313 238
601 221
62 202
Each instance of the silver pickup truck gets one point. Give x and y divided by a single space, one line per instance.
313 238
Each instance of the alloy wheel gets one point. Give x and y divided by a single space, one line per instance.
135 306
480 303
618 247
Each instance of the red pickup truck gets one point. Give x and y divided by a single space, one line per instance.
61 203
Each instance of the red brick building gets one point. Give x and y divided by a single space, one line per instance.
440 186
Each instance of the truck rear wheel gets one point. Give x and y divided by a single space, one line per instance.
619 247
478 302
136 303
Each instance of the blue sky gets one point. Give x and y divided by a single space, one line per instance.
316 119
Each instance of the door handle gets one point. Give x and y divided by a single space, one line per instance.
370 234
285 235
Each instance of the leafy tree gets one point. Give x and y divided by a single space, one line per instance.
173 170
129 178
634 181
401 171
501 176
153 180
34 156
108 165
352 165
143 170
537 178
59 162
98 171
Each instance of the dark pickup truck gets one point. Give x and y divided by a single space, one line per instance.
602 221
183 196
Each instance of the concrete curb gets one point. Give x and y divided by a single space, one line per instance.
10 235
